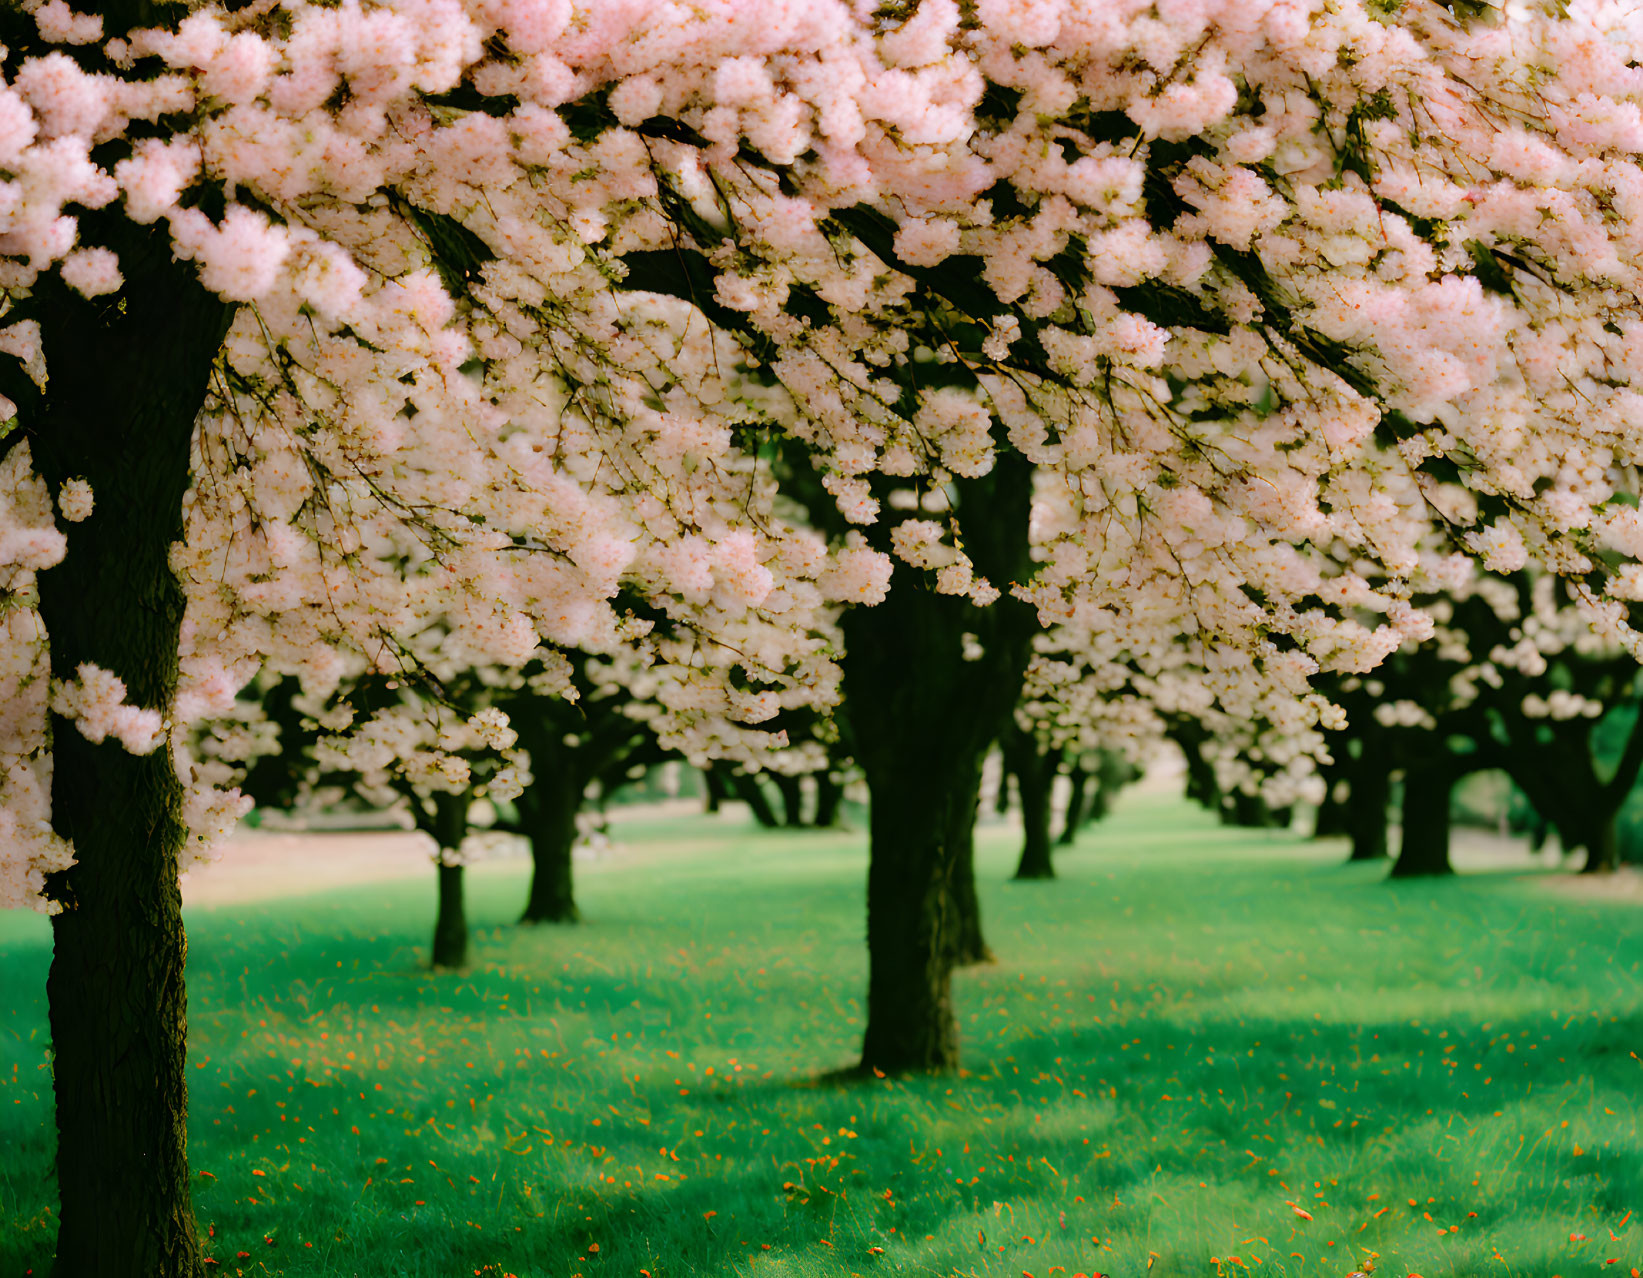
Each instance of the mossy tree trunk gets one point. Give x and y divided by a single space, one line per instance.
128 374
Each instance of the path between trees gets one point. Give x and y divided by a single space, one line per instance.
260 864
265 864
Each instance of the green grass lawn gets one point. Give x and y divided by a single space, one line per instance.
1190 1033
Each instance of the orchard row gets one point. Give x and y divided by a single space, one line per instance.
875 370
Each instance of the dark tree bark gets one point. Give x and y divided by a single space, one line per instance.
273 781
547 817
1077 799
1556 765
573 746
1333 817
969 942
714 783
128 376
1602 848
1583 806
1001 796
1424 849
450 824
1112 774
792 791
921 719
1251 812
1603 841
829 794
1035 773
745 786
911 937
1366 803
450 948
549 807
1202 786
1540 830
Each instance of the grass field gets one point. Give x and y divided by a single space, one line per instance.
1190 1034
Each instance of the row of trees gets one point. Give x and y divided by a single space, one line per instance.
1513 680
565 754
875 365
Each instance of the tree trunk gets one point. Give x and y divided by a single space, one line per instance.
1247 811
118 1017
829 793
745 786
1034 774
1540 830
921 719
1112 775
450 947
969 944
1001 796
1603 835
913 930
1424 849
1366 804
1602 848
1076 798
792 791
547 817
1202 786
1333 816
128 377
714 784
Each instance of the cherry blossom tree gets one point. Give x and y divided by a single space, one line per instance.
1221 312
1346 290
1514 678
1095 779
259 385
572 745
541 288
1081 700
1035 766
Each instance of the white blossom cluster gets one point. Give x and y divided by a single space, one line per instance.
386 456
1240 280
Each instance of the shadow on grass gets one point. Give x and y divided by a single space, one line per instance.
1173 1047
